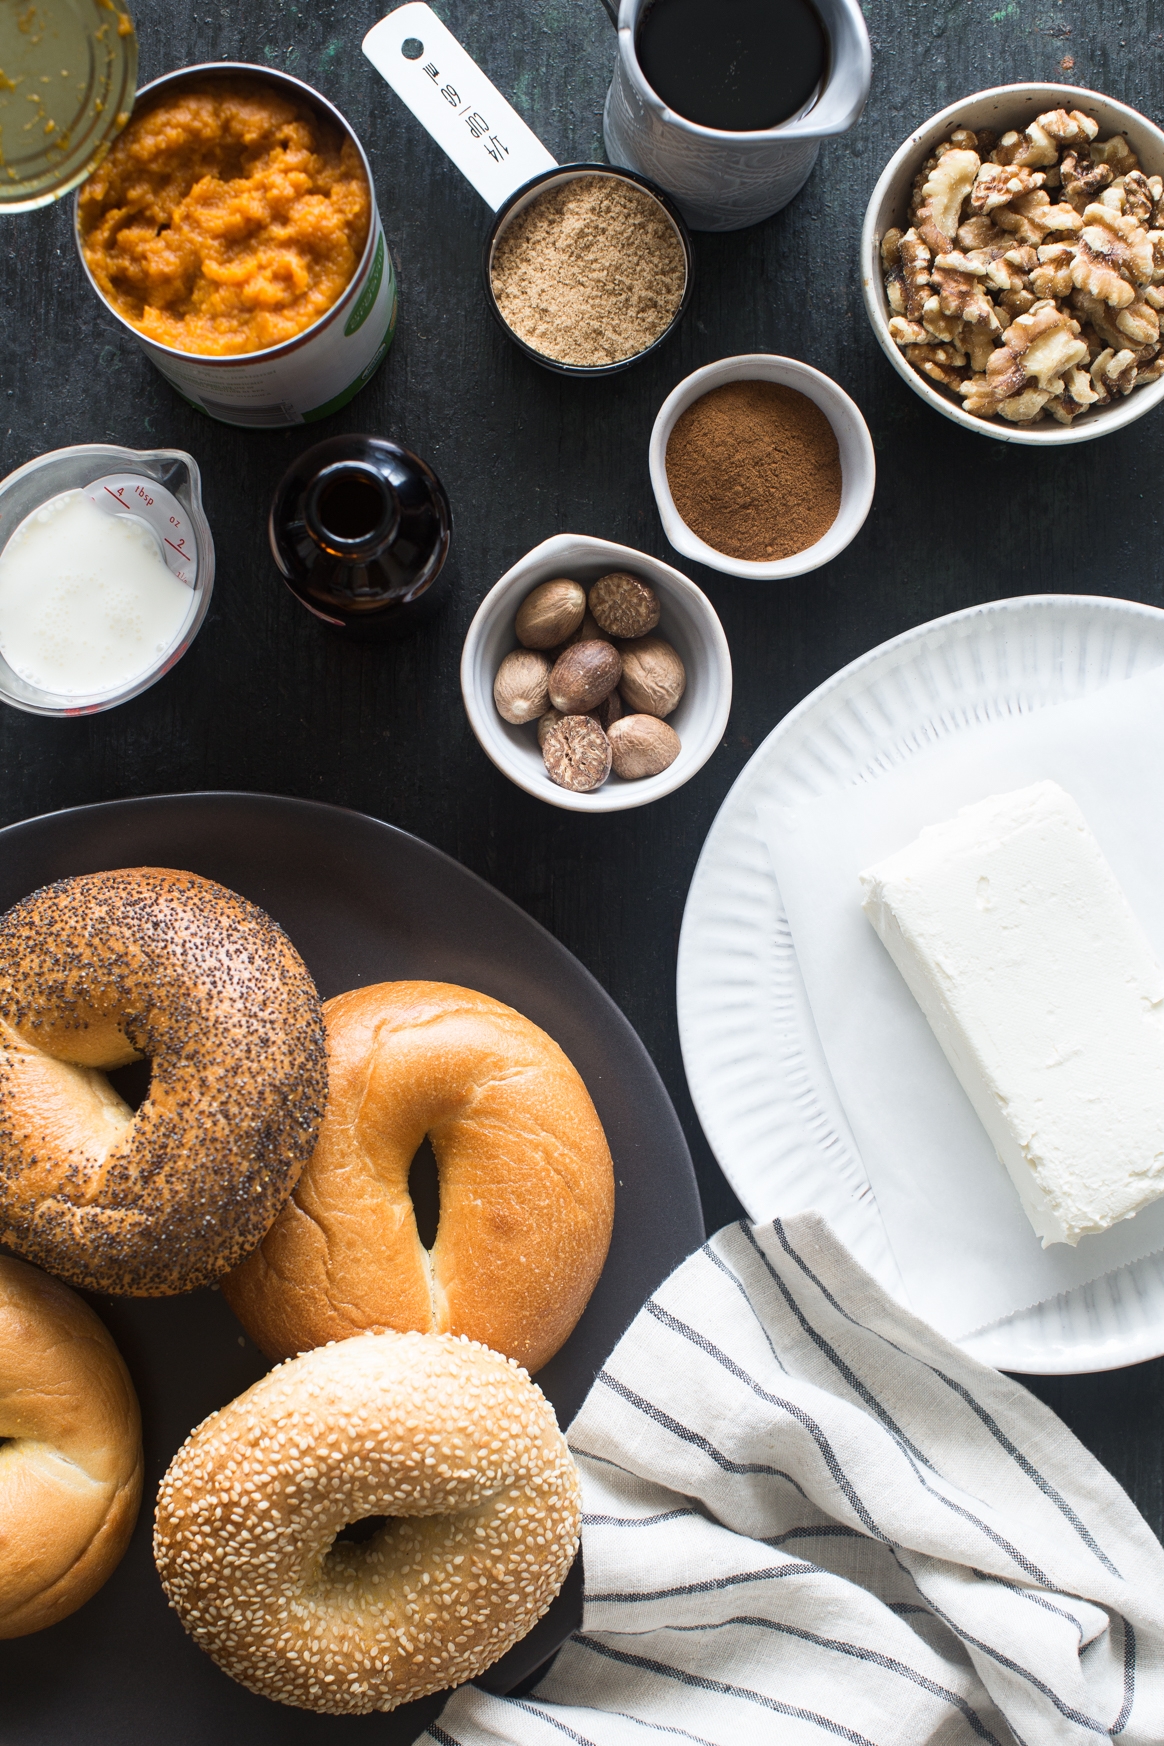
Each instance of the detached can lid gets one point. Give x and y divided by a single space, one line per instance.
68 71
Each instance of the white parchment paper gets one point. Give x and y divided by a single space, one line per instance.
962 1241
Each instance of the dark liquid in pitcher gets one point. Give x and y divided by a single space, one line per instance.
736 65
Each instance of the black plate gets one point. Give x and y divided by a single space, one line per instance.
363 903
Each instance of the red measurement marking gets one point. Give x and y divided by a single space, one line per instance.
116 495
178 548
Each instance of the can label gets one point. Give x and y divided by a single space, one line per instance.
314 376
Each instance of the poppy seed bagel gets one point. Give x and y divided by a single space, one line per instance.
108 968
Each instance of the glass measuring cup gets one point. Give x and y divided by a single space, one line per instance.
495 150
158 489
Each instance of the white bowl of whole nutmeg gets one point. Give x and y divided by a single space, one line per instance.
595 677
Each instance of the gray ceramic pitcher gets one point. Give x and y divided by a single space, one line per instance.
724 181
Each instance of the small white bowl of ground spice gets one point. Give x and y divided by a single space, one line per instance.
761 467
588 269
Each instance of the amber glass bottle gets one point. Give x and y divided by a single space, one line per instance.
360 528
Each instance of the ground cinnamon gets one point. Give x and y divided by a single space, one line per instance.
754 470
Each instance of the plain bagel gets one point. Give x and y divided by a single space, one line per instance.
453 1443
99 971
71 1471
526 1184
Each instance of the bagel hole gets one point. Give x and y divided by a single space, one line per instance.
132 1083
424 1189
358 1533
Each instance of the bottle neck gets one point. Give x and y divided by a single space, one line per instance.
351 511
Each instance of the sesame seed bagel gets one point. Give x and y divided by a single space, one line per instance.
71 1470
450 1441
526 1184
103 970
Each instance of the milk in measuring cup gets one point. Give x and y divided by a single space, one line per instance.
86 604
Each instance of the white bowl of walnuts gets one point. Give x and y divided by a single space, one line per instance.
595 677
1012 263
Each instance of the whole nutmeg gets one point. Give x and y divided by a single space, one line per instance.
576 753
588 631
653 677
608 710
583 675
623 605
546 722
550 614
520 689
642 745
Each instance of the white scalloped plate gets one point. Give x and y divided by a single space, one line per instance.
753 1059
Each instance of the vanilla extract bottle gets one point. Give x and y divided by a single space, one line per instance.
360 528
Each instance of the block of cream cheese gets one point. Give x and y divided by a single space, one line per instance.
1018 944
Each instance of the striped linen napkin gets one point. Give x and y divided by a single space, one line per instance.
810 1518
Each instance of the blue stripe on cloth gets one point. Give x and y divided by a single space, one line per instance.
543 1714
1124 1716
719 1262
1025 1466
721 1688
713 1584
562 1727
825 1531
635 1521
687 1434
603 1460
1036 1600
655 1727
1064 1709
888 1663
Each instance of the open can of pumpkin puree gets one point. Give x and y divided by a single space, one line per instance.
263 332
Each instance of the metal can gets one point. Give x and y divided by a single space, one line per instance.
317 372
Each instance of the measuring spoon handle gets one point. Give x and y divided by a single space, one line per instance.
450 96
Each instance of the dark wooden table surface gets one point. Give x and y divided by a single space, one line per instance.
269 700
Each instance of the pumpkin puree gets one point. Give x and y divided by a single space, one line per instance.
225 219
